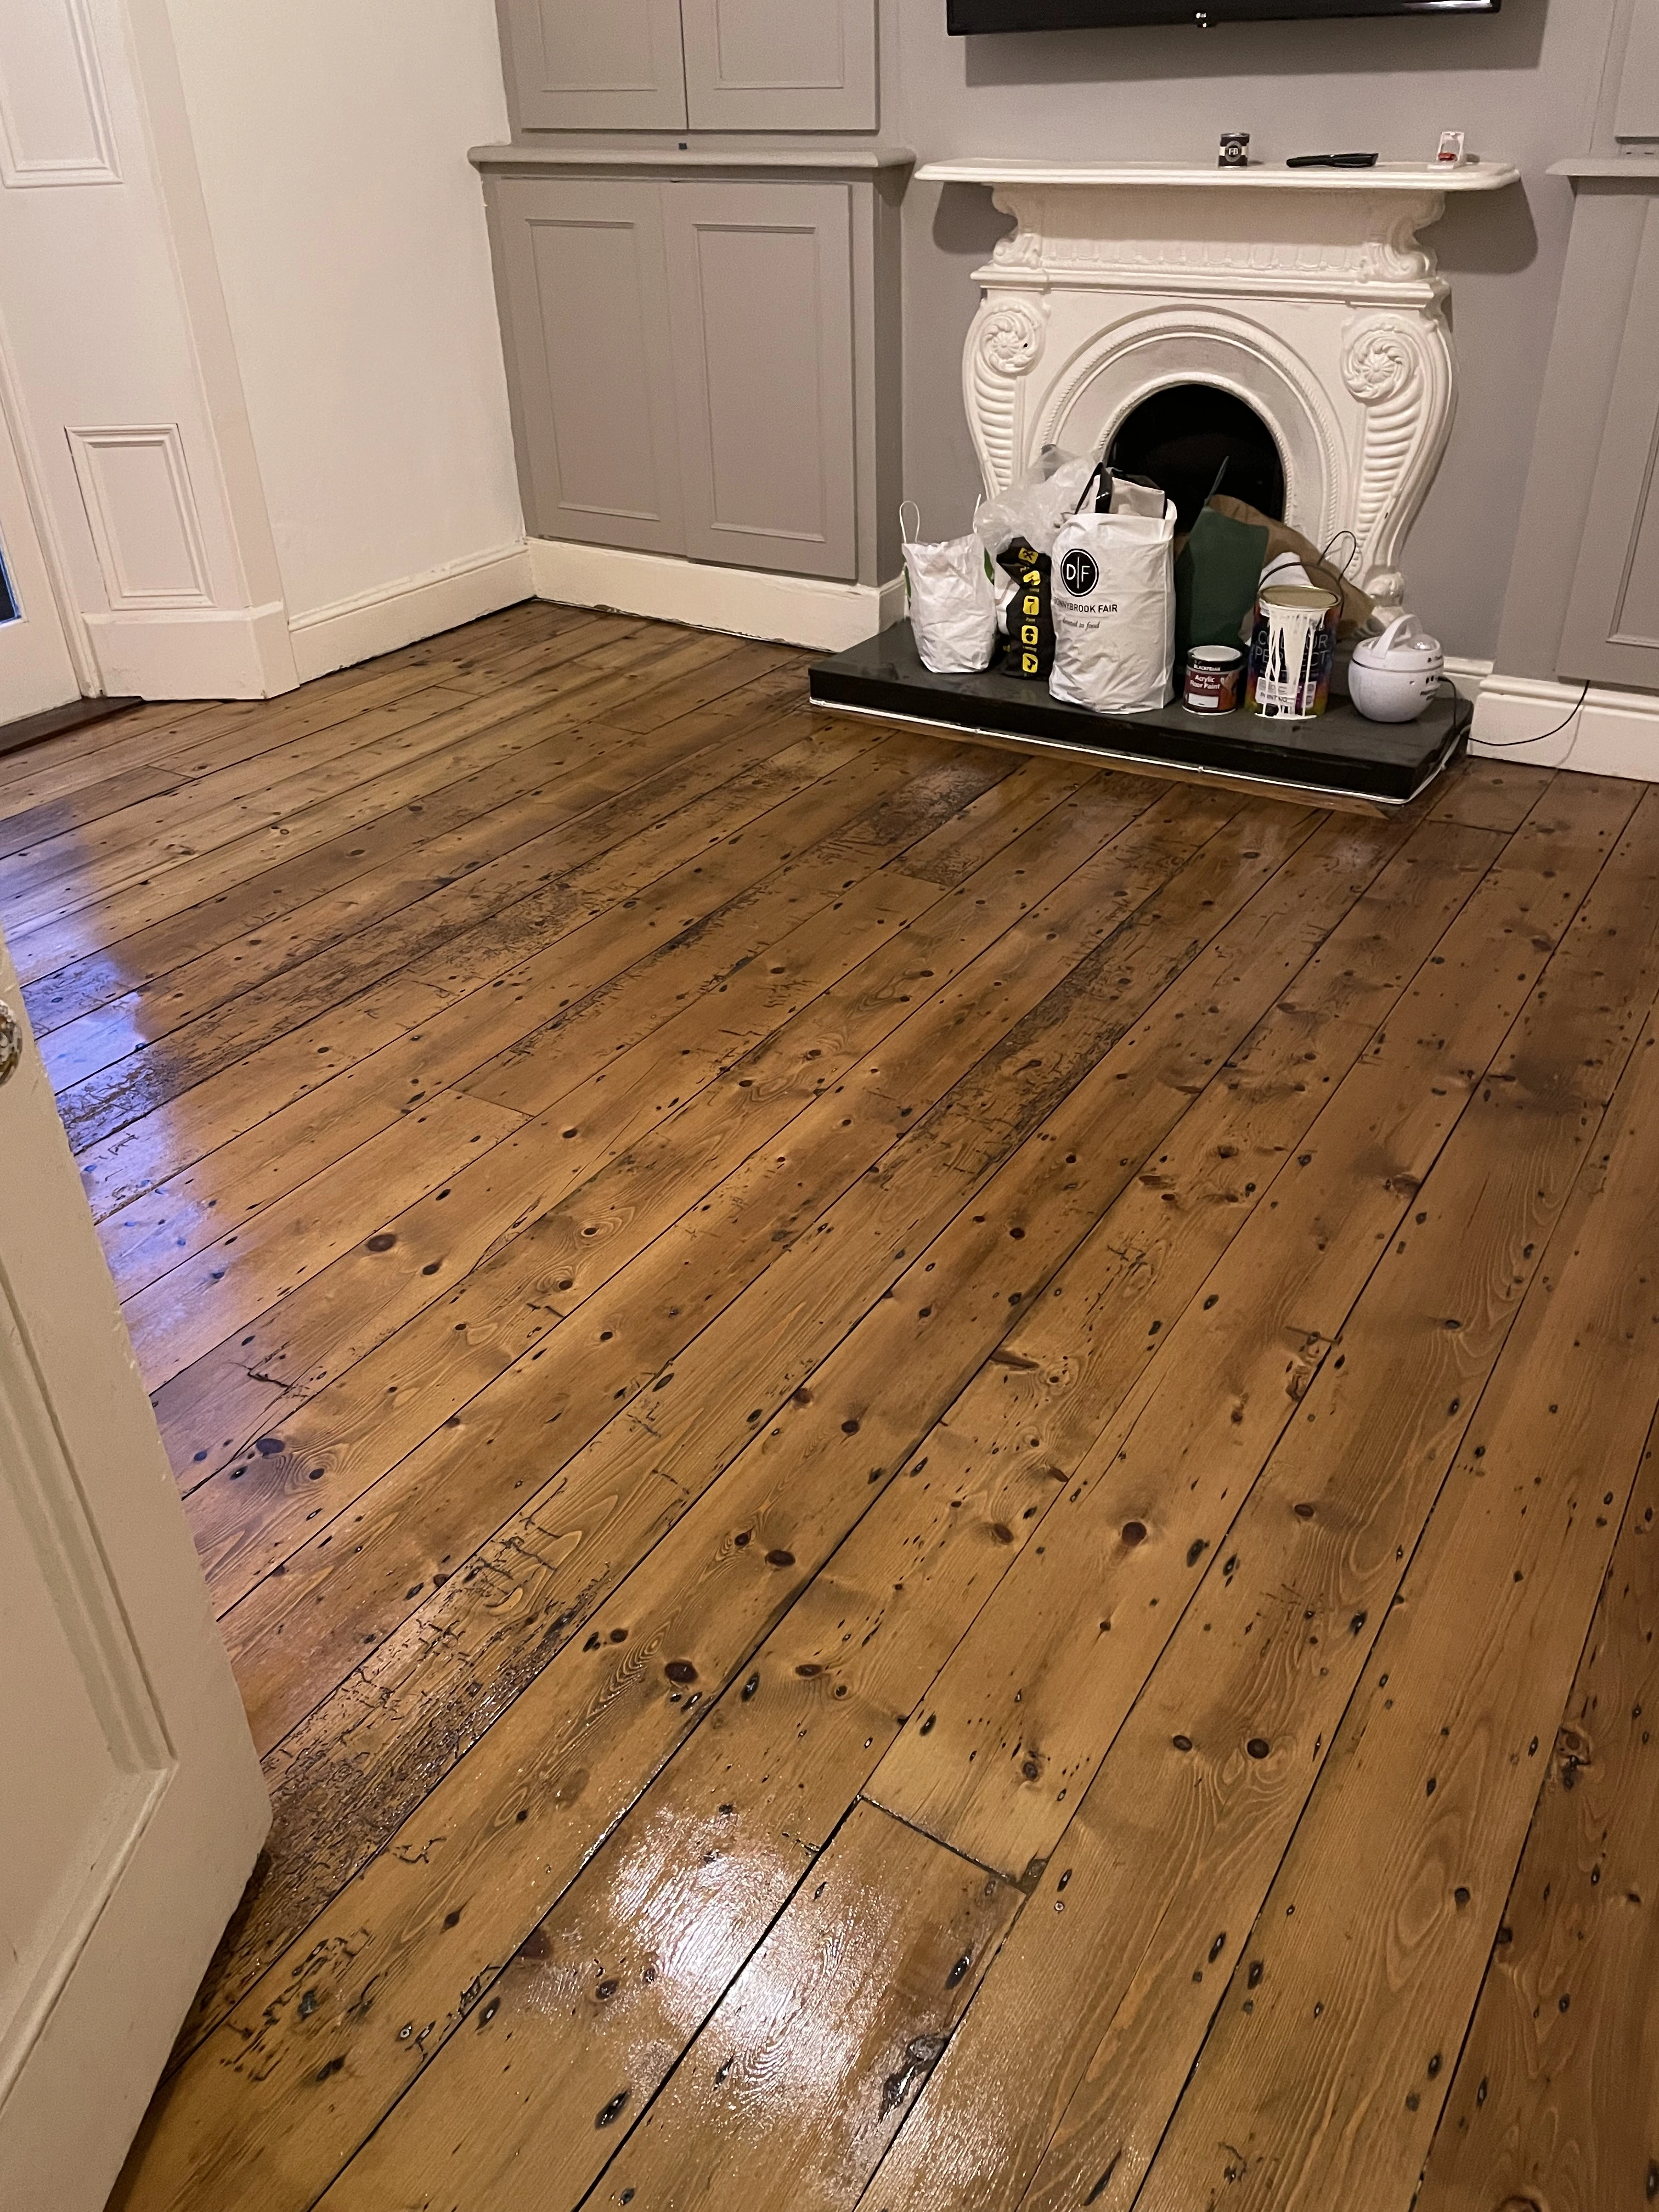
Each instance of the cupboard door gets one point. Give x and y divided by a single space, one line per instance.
781 64
1638 112
761 281
584 296
575 66
1612 630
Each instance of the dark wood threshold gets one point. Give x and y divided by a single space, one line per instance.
55 719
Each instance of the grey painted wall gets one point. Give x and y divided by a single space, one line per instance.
1524 85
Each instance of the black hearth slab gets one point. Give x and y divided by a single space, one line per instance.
1340 753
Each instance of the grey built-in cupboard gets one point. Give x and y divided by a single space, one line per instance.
1582 602
1583 594
701 332
696 64
703 349
1611 633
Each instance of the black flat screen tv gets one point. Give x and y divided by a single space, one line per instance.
965 17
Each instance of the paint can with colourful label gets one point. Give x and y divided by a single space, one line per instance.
1291 652
1213 675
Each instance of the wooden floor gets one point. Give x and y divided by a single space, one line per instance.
932 1476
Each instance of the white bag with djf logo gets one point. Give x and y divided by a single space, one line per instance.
1113 607
953 608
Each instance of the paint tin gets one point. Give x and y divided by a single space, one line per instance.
1213 675
1292 652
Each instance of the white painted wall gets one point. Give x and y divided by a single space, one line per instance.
331 137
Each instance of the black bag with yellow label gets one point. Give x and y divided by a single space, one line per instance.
1028 647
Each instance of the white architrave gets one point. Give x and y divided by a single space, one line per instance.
1307 293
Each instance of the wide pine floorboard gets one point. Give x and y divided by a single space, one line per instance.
933 1475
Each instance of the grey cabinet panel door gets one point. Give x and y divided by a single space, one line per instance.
584 297
1638 112
761 276
595 64
1612 630
781 64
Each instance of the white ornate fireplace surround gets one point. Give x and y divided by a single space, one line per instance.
1306 292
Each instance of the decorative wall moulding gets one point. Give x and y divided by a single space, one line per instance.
55 125
1307 293
142 512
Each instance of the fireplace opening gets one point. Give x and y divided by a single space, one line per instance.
1180 437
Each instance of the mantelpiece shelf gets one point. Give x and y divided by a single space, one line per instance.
1387 176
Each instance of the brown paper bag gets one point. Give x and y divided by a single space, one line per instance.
1355 617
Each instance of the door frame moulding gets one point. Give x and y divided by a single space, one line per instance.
76 637
164 565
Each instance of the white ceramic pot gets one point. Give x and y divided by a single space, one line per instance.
1391 678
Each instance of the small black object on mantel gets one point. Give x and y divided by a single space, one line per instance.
1235 150
1331 162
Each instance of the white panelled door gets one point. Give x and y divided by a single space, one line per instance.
132 1804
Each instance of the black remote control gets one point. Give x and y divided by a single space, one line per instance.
1331 162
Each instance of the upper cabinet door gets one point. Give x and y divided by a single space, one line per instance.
781 64
584 297
595 64
761 281
1636 115
1611 629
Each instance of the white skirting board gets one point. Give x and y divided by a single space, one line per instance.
194 653
256 652
745 602
414 607
1614 733
1467 677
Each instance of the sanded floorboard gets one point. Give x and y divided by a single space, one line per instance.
1540 2108
687 1252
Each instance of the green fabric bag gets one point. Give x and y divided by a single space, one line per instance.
1217 573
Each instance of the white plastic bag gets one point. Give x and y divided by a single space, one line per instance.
1113 608
953 611
1132 495
1033 508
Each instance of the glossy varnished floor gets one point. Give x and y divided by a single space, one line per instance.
932 1476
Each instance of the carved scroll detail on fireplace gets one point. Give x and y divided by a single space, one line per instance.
1004 345
1399 370
1323 312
